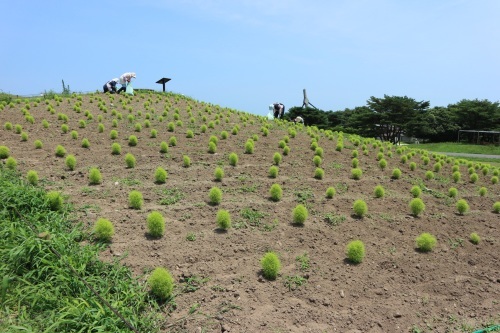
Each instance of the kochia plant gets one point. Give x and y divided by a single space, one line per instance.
104 230
161 283
355 251
271 265
156 224
135 199
299 214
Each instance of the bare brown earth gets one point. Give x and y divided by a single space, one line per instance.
219 284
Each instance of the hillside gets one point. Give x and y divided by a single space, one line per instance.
219 283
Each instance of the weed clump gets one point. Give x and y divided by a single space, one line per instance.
135 199
299 214
103 230
425 242
156 224
271 265
223 219
161 283
474 238
355 251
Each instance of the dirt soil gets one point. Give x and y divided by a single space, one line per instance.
219 283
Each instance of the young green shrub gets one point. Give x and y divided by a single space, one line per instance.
100 128
425 242
104 230
18 129
282 144
319 152
317 161
496 207
153 133
474 177
355 251
482 191
85 143
172 141
437 167
203 128
171 126
55 200
4 152
403 159
474 238
429 175
160 175
64 128
494 180
223 219
135 199
113 134
212 147
275 192
60 151
156 224
233 159
11 163
286 151
416 191
32 177
95 176
456 176
273 171
452 192
379 191
130 160
132 141
319 173
417 206
189 134
330 192
215 196
356 173
161 283
71 162
249 146
299 214
462 206
163 147
218 174
354 154
413 166
186 161
38 144
271 265
360 208
8 126
277 158
354 162
116 149
396 173
382 164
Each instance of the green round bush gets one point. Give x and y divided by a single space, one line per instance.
452 192
113 134
4 152
360 208
417 206
132 140
161 283
95 176
163 147
71 162
396 173
275 192
38 144
462 206
189 134
116 149
215 196
355 251
55 200
416 191
496 207
482 191
330 192
425 242
271 265
277 158
160 175
382 163
74 135
319 173
286 150
218 174
172 141
233 159
85 143
103 230
11 163
156 224
60 151
318 152
317 160
186 160
299 214
429 175
474 238
130 160
273 171
456 176
282 144
356 173
223 219
379 191
249 146
135 199
354 162
212 147
32 177
413 166
494 180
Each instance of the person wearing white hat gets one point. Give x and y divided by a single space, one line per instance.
110 86
125 79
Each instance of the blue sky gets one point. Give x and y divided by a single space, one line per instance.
246 54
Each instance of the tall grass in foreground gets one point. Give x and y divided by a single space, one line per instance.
43 292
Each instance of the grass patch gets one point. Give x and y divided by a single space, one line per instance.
169 196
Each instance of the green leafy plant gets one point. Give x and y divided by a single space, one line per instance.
215 196
360 208
218 174
116 149
186 161
4 152
474 177
104 230
74 135
474 238
356 173
135 199
95 176
413 166
417 206
330 192
55 200
156 224
71 162
299 214
317 160
11 163
161 283
113 134
354 162
319 173
212 147
452 192
396 173
233 159
172 141
85 143
496 207
130 160
277 158
482 191
132 141
462 206
429 175
271 265
456 176
416 191
355 251
382 164
38 144
494 180
32 177
249 146
60 151
275 192
223 219
160 175
379 191
163 147
425 242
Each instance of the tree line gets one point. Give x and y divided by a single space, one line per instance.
390 117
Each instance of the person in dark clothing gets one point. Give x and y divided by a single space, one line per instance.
279 110
110 86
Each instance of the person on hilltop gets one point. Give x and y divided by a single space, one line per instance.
110 86
279 110
298 119
125 80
